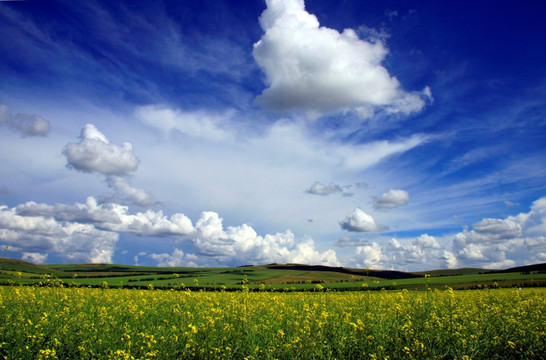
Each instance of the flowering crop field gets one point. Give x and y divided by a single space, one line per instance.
84 323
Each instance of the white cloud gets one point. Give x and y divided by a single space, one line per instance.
72 241
405 254
318 70
366 155
134 195
87 232
491 243
320 189
499 243
34 257
95 153
369 255
428 242
111 217
241 244
176 259
492 230
359 221
391 199
24 124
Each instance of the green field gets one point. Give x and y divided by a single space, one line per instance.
265 277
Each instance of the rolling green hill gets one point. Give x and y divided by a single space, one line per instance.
270 277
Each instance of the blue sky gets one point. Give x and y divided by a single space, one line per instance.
404 135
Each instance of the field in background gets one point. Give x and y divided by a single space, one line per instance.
271 277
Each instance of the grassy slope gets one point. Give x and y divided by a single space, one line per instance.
293 276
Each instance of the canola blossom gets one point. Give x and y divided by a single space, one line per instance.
83 323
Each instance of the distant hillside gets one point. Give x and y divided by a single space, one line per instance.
453 272
525 268
383 274
20 265
275 277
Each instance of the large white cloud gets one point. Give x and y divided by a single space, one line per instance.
24 124
318 70
391 199
359 221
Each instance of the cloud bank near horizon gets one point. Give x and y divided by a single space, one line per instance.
88 233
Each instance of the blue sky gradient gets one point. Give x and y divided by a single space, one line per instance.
394 135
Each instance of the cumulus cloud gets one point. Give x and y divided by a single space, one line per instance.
491 243
88 232
405 253
243 244
318 70
176 259
320 189
132 194
359 221
427 242
500 243
391 199
24 124
75 242
369 255
95 153
34 257
112 217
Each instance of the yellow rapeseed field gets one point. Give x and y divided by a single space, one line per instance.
83 323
